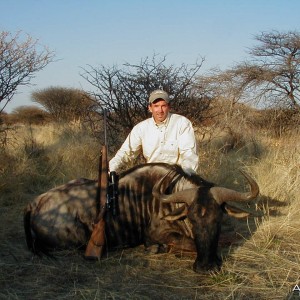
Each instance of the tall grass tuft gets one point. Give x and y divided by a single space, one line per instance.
43 157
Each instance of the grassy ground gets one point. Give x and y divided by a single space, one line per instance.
261 256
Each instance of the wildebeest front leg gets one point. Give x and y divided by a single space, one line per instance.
156 248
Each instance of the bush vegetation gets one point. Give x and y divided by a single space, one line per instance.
261 255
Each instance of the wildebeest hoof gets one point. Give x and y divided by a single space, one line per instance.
207 268
156 248
163 248
153 249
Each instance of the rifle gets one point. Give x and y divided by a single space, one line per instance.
112 199
96 243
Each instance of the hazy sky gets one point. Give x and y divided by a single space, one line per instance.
112 32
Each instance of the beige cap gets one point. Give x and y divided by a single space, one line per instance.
159 94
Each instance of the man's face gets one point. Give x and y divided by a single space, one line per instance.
159 109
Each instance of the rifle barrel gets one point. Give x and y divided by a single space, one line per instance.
104 126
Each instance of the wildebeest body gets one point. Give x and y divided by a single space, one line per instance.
147 214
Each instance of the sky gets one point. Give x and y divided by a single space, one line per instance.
96 33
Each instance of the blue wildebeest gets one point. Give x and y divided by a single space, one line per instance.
159 206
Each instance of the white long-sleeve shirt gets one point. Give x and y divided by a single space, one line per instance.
172 141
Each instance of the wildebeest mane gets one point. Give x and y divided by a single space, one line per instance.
193 178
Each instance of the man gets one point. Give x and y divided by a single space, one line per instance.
165 137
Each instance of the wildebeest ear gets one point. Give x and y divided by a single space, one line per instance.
235 211
177 214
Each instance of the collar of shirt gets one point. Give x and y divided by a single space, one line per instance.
164 123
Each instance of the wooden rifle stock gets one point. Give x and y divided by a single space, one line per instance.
96 243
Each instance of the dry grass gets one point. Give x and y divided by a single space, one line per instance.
261 256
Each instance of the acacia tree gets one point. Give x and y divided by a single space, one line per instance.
124 91
271 77
29 115
64 104
20 59
273 73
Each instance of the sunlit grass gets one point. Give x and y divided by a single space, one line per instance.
263 264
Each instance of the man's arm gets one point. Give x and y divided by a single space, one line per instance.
130 149
189 157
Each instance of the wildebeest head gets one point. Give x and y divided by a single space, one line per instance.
204 206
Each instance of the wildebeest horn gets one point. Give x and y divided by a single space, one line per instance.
185 196
222 195
177 213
